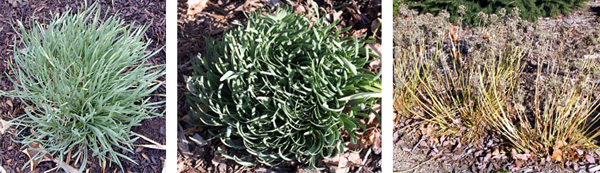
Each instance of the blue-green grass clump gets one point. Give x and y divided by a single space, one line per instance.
85 82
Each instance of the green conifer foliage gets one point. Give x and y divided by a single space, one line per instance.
529 9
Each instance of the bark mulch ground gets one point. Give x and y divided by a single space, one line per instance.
143 12
362 16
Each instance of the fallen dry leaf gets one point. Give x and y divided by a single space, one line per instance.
332 160
497 152
196 6
65 166
341 170
300 9
487 36
4 125
31 153
36 149
217 159
342 162
453 35
375 48
354 158
377 143
426 130
523 157
372 135
560 144
518 163
373 121
334 16
360 32
557 155
375 25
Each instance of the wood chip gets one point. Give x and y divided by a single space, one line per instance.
14 3
590 159
595 168
487 157
139 149
145 157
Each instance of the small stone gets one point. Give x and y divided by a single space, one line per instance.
590 159
594 169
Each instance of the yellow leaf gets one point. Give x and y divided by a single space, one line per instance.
557 155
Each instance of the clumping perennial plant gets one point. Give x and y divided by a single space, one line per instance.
283 88
515 80
564 116
84 82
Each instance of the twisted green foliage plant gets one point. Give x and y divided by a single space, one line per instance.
530 9
283 88
84 83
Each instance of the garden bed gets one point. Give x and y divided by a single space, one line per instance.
418 148
198 155
141 12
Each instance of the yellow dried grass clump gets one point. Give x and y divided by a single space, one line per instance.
535 93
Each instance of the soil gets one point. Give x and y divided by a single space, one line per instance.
415 151
147 12
362 16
